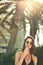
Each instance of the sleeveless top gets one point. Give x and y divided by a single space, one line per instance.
31 62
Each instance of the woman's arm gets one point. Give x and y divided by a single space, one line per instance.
20 57
35 60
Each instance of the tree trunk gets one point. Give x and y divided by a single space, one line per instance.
12 40
33 27
18 17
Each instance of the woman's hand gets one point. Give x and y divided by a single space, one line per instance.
26 51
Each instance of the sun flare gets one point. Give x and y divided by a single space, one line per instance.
40 1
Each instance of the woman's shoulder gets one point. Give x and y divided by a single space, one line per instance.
34 58
18 53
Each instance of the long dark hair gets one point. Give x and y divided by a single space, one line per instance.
32 50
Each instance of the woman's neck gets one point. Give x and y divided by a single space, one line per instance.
28 58
28 55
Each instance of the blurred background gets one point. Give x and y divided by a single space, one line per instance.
19 19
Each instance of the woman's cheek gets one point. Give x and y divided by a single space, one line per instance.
25 44
29 46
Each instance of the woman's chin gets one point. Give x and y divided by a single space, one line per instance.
29 47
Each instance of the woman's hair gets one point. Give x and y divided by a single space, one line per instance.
32 50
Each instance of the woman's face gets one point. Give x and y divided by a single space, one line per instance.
28 43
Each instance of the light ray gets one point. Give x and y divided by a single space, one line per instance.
40 1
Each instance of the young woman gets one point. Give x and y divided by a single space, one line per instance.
26 57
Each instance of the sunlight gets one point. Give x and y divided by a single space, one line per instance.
40 1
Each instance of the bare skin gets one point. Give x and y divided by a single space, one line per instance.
20 56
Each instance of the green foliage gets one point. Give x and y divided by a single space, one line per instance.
1 57
9 60
39 53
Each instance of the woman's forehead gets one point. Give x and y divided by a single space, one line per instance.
28 39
